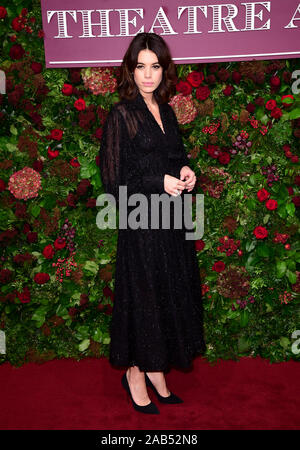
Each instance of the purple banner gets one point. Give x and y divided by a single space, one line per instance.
87 33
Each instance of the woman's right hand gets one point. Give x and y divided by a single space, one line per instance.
173 184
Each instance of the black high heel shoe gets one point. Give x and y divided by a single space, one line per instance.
151 408
171 399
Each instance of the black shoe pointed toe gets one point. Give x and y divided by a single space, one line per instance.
171 399
151 408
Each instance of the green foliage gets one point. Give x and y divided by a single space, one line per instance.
251 304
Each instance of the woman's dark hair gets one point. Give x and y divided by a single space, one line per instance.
127 87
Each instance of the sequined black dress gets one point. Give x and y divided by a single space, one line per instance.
157 317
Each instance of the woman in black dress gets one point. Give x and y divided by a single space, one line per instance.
157 317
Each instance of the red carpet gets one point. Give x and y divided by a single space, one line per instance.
65 394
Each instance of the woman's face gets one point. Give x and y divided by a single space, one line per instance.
148 72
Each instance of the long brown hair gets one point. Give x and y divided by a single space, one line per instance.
127 87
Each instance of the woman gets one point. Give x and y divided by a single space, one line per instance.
157 312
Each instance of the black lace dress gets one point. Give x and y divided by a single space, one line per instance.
157 316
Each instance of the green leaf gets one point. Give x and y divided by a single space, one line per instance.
263 250
91 266
13 130
243 344
244 318
284 342
97 335
35 210
11 147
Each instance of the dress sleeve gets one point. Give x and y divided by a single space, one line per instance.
114 167
184 160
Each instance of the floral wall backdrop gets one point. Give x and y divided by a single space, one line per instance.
240 124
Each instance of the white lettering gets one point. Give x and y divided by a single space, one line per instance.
250 16
124 21
291 25
87 23
192 17
217 18
163 23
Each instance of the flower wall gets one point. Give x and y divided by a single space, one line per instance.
240 124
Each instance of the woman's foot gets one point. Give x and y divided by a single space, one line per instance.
137 386
159 382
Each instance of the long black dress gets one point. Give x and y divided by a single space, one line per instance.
157 316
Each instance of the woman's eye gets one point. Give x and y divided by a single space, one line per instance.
156 67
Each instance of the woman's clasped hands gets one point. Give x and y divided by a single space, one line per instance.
175 186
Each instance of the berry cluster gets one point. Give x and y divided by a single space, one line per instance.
270 172
241 143
68 232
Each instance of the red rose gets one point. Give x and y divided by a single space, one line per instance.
107 292
287 97
276 113
290 190
263 195
294 159
184 87
199 245
271 204
91 203
5 276
38 165
271 104
24 296
260 232
56 134
67 89
48 251
26 228
3 12
202 92
41 278
80 104
195 78
224 158
32 237
297 180
36 67
71 199
218 266
16 51
59 243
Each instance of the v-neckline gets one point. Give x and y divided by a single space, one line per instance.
160 114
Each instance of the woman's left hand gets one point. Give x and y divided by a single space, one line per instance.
188 175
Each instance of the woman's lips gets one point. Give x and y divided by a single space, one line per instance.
148 84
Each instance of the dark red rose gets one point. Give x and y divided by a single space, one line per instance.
41 278
275 81
84 298
32 237
271 204
295 159
107 292
218 266
36 67
263 195
184 87
59 243
5 276
16 51
67 89
17 24
250 108
80 104
24 296
2 185
199 245
202 92
224 158
276 113
297 180
223 74
195 78
290 190
48 251
228 90
260 101
56 134
91 203
26 228
3 12
260 232
211 79
98 133
38 165
83 187
72 199
271 104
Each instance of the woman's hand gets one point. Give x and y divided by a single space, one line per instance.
187 174
173 185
